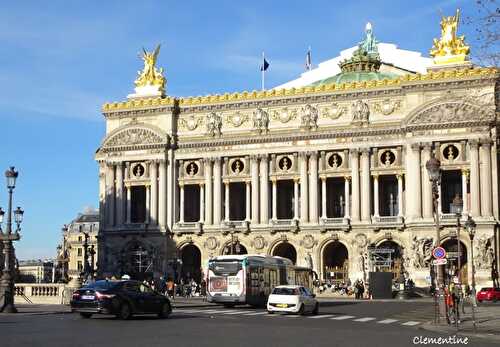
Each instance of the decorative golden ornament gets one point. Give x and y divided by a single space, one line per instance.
150 76
450 48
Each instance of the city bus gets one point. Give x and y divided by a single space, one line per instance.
249 279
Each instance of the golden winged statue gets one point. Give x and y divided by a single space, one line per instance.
150 76
450 44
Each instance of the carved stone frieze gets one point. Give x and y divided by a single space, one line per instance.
258 242
308 241
451 112
211 243
333 112
260 120
284 115
387 106
213 124
309 117
134 136
360 112
237 119
190 123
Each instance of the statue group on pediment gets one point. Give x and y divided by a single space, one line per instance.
134 136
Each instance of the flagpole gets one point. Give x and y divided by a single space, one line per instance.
263 70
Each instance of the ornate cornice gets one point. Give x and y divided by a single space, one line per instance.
275 97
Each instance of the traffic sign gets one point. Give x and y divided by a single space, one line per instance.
441 261
439 253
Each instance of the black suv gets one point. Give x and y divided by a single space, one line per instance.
120 298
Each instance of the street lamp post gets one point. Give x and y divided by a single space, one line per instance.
470 225
7 237
458 207
433 167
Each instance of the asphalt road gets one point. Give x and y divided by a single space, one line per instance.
343 324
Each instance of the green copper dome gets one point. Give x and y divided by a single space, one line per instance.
362 66
355 76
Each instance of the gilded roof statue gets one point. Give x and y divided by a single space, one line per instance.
150 76
450 48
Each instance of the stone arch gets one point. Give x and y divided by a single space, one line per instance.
450 244
447 109
136 259
334 258
190 254
284 249
133 136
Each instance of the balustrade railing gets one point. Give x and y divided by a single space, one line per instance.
40 293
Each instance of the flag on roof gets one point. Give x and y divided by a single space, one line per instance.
264 65
308 60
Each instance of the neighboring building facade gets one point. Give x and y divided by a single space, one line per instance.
35 271
329 169
70 254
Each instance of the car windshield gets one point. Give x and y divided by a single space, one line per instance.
101 285
286 291
485 289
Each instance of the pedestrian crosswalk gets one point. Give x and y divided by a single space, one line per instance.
254 313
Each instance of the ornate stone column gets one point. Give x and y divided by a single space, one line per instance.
264 189
296 198
248 200
413 182
171 203
313 187
365 183
120 201
474 178
347 196
153 173
110 193
275 199
254 165
426 183
162 195
181 202
207 162
400 194
304 191
323 197
375 197
226 201
129 205
148 204
465 197
486 191
217 191
354 156
202 203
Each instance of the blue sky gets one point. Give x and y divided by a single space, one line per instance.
60 60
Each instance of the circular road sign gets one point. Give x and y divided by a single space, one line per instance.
439 253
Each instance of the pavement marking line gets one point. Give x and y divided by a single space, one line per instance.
291 315
387 321
343 317
365 319
255 313
210 311
410 323
188 311
321 316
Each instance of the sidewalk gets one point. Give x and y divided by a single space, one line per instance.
487 323
39 309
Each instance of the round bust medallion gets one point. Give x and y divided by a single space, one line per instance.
138 170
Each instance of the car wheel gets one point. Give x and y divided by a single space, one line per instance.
316 309
125 311
85 315
301 310
270 312
165 310
495 299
